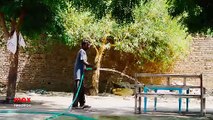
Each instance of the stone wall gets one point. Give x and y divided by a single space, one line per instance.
54 71
199 60
4 65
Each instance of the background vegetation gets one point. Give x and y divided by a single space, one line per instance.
153 33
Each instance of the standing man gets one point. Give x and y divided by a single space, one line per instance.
80 67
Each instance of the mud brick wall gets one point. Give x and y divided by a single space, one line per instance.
199 60
4 65
54 71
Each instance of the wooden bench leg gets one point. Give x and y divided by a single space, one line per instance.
180 101
187 101
136 101
155 101
204 107
203 102
145 100
139 101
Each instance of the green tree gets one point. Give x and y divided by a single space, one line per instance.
34 18
155 36
152 35
85 25
120 10
196 14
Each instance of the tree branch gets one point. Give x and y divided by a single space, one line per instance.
96 49
13 26
3 26
21 20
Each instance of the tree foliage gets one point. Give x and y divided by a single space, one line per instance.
120 10
196 14
98 7
83 24
35 19
153 36
40 16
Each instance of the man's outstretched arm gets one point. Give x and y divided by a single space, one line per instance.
89 65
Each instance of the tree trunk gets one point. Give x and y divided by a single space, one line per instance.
3 26
96 73
13 70
12 77
95 79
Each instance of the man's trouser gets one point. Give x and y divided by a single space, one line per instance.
81 97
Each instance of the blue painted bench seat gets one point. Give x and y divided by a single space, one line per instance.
170 88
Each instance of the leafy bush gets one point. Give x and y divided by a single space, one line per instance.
156 38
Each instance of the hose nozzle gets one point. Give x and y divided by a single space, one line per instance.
88 68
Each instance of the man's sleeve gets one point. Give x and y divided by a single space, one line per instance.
83 55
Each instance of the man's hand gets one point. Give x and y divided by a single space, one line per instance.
94 68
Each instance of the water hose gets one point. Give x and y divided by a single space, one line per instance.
66 113
80 117
70 106
122 74
57 114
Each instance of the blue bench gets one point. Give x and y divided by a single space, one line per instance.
170 88
180 88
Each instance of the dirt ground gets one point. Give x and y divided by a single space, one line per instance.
106 107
